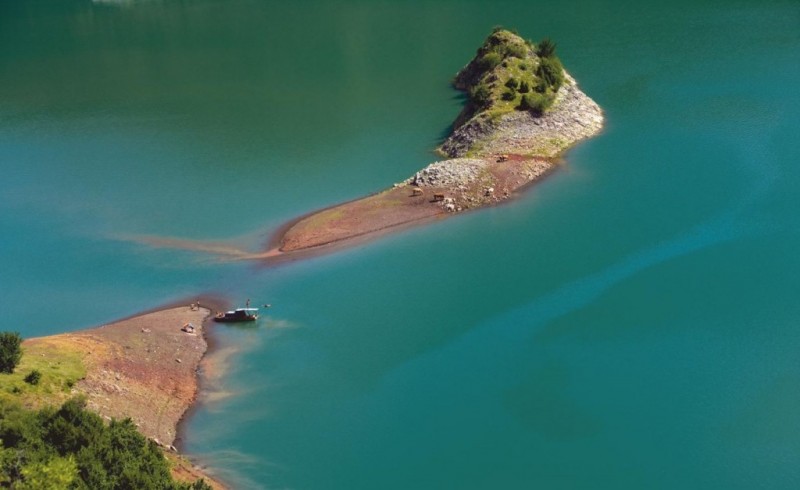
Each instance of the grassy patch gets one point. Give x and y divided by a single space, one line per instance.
59 364
505 69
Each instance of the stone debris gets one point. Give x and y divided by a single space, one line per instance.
461 183
452 174
574 116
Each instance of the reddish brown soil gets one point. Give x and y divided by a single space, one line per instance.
144 368
398 207
388 209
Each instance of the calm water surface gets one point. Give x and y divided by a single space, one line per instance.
630 323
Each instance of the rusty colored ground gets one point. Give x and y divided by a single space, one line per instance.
399 206
144 368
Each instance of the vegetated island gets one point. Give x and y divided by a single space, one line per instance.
523 111
144 368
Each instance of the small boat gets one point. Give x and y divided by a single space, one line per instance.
237 315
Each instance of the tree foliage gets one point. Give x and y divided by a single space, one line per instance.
517 50
33 377
546 48
551 72
10 351
536 103
510 73
70 447
480 94
490 60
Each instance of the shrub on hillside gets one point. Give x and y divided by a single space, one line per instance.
536 103
33 377
480 94
546 48
551 71
541 86
516 50
489 60
10 351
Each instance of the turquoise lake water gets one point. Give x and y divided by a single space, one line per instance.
631 322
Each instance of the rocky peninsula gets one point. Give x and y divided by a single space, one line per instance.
523 112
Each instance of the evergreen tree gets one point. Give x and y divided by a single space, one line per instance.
10 351
546 48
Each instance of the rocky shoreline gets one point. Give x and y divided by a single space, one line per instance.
573 117
483 153
144 368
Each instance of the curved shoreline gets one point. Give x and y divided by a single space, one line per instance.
275 256
212 344
143 367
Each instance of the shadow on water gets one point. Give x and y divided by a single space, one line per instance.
466 106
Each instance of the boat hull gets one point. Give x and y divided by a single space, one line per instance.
219 319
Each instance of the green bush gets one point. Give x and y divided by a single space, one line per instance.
33 377
480 94
10 351
551 71
490 60
541 86
546 48
71 447
516 50
536 103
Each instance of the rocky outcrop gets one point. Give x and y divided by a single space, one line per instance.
573 117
